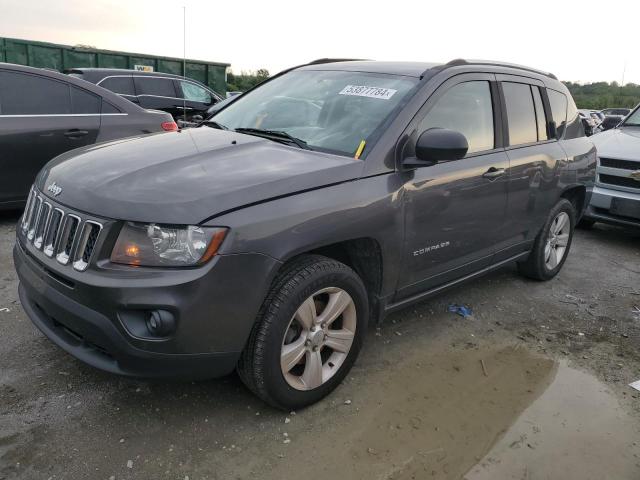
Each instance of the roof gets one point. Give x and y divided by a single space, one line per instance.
412 69
103 72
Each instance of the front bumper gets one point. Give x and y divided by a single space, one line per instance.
214 306
599 208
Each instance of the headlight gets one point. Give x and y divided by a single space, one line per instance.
158 245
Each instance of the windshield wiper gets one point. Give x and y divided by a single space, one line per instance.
276 135
213 124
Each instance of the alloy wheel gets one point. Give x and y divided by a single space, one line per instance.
318 338
557 240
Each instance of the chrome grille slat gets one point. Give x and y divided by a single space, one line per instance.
33 218
59 233
67 238
27 209
42 224
51 235
86 243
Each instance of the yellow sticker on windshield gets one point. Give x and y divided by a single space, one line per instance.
360 149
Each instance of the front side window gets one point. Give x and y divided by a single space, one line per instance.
195 93
521 115
558 104
633 120
26 94
465 108
333 111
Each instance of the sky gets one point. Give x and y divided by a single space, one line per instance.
583 41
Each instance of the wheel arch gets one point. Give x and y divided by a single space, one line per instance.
577 195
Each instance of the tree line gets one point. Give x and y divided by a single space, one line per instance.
594 96
599 95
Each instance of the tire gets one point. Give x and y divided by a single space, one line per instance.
289 323
540 265
586 224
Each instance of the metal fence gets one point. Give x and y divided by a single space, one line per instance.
61 57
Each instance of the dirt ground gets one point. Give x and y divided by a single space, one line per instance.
533 386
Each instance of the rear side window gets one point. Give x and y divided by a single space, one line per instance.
541 119
161 87
521 115
25 94
575 129
558 104
121 85
108 108
84 102
466 108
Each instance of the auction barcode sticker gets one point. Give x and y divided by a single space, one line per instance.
371 92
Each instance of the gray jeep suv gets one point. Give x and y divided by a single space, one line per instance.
268 238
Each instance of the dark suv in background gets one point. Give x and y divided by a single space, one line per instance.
182 97
45 113
330 195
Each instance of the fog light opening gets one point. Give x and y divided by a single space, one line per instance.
160 323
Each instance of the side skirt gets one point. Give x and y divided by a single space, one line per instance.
392 307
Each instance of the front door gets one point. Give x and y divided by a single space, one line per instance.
454 211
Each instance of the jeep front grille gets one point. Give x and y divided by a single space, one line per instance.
58 232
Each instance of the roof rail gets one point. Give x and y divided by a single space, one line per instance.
320 61
462 61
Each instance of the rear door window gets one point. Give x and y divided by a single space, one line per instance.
558 103
84 102
521 115
541 119
159 87
121 85
465 108
26 94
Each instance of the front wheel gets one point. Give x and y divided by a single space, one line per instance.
308 333
551 247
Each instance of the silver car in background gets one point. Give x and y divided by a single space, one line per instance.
616 194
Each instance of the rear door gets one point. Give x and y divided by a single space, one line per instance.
454 211
197 99
40 118
534 160
158 93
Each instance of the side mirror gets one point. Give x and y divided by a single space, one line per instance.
437 145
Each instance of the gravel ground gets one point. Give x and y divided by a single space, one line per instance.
534 385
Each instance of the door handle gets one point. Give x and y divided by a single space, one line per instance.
182 107
74 133
494 172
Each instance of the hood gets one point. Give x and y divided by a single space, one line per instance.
188 176
621 143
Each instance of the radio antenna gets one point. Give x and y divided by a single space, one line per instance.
184 59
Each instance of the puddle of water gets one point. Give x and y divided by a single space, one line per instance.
575 430
427 416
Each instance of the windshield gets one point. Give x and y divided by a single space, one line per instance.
335 111
632 120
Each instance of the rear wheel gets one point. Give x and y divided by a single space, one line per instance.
308 333
552 244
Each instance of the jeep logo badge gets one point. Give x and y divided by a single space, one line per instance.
635 175
54 189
